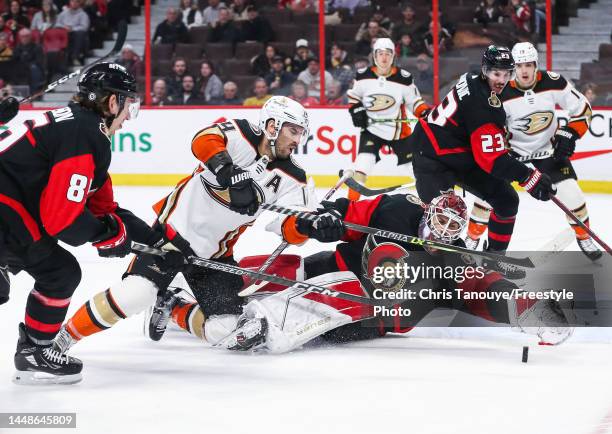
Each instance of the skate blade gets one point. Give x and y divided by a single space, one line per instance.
44 378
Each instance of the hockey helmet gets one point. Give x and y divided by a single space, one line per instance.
281 110
496 57
383 44
525 52
446 217
106 78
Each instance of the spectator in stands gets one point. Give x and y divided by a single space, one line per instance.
407 47
45 18
521 15
132 61
350 5
15 19
360 63
6 53
174 81
423 76
299 93
211 13
159 96
99 27
339 66
191 15
301 56
335 95
589 90
29 53
230 95
224 29
118 10
261 64
539 11
408 26
171 30
6 31
488 11
75 20
260 94
256 28
365 36
188 96
297 5
239 10
279 80
312 78
208 84
444 37
379 16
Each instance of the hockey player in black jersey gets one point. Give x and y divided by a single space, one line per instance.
463 142
54 185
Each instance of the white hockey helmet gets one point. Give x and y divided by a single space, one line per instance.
282 109
524 52
383 44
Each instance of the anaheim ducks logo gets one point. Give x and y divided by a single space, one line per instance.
221 195
535 122
378 102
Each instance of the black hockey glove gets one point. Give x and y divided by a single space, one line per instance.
242 191
359 115
177 249
9 107
115 241
564 143
327 227
539 185
5 284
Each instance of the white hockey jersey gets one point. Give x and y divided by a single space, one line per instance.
198 208
530 113
392 97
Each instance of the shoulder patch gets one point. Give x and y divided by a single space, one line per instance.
553 75
550 81
289 167
404 73
364 73
401 76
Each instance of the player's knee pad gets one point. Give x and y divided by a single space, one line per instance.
364 163
219 326
569 192
134 294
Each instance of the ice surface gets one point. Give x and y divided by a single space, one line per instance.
428 381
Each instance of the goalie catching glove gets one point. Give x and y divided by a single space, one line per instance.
326 227
564 143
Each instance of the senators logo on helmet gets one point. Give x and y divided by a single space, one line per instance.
535 122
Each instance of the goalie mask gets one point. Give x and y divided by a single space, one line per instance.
445 218
282 110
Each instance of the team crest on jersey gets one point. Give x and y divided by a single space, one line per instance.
534 123
494 100
404 73
221 195
378 102
553 75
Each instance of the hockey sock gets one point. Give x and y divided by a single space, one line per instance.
500 231
479 219
97 314
44 315
361 178
583 215
189 317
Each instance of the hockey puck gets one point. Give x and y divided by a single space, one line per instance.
525 354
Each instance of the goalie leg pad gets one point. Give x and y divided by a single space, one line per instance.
543 318
288 266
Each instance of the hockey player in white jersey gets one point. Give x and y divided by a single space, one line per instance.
536 138
210 210
383 93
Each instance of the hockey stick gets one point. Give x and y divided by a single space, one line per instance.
122 29
396 121
365 191
255 275
588 230
252 288
409 239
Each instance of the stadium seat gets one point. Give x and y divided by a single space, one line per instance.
246 50
55 39
188 51
233 67
161 51
199 35
605 51
305 19
345 32
218 51
244 83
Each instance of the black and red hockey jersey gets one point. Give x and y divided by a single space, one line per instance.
54 177
467 130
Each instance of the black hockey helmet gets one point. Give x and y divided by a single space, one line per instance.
107 78
496 57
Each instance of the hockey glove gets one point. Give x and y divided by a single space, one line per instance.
327 227
359 115
242 191
5 284
9 107
564 143
539 185
115 241
177 249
